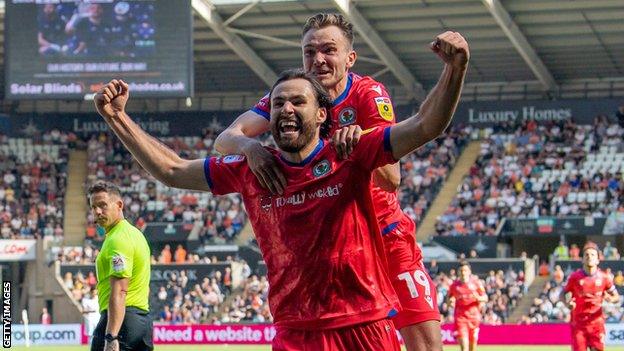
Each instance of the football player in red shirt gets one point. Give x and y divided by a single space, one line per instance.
585 291
327 46
468 294
328 286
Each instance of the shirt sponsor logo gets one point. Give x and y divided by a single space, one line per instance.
300 198
384 107
233 158
346 117
321 169
119 264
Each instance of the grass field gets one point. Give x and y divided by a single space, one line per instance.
268 348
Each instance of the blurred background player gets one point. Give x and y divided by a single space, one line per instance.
585 291
468 295
327 47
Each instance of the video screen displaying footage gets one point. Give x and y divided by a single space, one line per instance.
70 48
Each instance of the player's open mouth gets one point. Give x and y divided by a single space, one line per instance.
289 128
322 74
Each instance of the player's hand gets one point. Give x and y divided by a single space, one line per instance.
111 346
452 48
572 304
345 139
111 99
264 167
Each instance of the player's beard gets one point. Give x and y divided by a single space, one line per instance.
306 133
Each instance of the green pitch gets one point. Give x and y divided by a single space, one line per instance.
268 348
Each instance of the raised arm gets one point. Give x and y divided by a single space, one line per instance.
437 110
155 157
238 139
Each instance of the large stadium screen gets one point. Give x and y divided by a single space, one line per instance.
69 48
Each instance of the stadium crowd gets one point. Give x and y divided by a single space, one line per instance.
550 169
146 200
424 171
33 179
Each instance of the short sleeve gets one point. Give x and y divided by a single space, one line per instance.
120 259
263 107
374 149
223 174
375 107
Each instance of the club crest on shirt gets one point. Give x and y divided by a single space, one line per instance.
384 107
346 117
598 282
119 264
321 169
266 202
233 158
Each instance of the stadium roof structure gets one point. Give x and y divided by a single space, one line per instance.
521 49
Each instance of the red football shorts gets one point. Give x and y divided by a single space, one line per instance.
411 282
466 328
375 336
589 335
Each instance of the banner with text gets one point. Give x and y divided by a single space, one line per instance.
50 334
18 250
488 113
86 124
536 334
195 272
554 226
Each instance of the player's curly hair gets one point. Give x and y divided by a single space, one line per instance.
322 20
322 96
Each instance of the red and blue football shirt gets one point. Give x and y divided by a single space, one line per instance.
364 102
588 292
320 239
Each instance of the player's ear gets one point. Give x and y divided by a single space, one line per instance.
321 115
351 58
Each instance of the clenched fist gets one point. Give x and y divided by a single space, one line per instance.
111 99
452 48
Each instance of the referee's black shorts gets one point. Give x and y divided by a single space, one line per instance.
135 333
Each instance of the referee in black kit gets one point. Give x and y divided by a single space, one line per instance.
123 274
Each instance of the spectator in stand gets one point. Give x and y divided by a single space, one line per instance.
544 269
180 254
575 252
610 252
473 254
561 251
618 280
558 275
619 114
46 318
165 255
434 269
